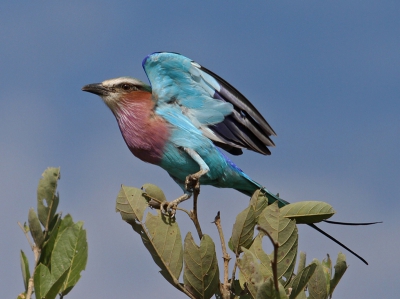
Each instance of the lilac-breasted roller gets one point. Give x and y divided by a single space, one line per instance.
183 120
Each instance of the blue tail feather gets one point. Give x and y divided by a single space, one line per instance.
251 186
272 198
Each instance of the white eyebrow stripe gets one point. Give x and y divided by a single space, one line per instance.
116 81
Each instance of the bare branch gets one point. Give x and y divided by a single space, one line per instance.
225 288
193 213
26 235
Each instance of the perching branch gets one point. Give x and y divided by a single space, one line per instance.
225 288
193 213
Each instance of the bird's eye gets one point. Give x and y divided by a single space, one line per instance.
126 86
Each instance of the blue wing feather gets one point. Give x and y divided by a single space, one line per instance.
211 104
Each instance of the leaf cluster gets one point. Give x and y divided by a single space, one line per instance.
260 275
162 238
59 244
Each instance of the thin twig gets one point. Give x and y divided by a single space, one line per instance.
274 263
225 288
36 252
26 235
193 213
184 210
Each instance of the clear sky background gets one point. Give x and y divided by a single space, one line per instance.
325 74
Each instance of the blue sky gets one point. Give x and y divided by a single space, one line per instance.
324 74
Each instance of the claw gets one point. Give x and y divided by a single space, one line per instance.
169 208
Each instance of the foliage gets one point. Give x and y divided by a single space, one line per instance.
59 245
260 275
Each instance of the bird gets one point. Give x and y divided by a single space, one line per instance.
184 120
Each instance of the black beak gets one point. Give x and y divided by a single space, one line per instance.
96 88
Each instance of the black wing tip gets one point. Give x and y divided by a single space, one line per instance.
236 151
242 105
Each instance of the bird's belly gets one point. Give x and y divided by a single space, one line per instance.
179 164
222 174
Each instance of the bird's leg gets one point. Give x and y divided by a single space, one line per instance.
192 183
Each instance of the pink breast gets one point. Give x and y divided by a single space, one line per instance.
144 132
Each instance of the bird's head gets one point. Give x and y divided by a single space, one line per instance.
115 91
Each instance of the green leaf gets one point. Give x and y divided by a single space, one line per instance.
269 220
46 285
162 238
302 262
131 204
42 281
300 281
259 201
340 268
79 259
263 258
25 269
53 223
58 228
35 228
47 192
154 192
47 248
69 252
268 291
288 275
317 283
327 263
302 295
252 274
243 230
201 274
327 266
284 231
305 212
57 285
166 239
66 222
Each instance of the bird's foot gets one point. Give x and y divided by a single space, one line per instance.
192 182
169 208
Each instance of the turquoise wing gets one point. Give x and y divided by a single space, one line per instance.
186 90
